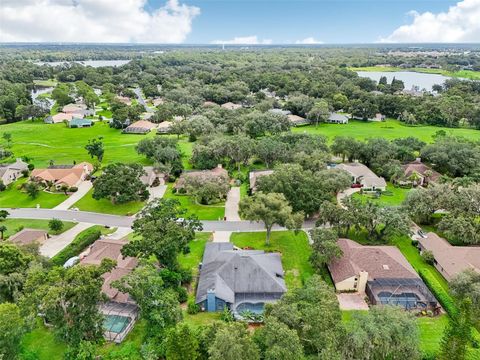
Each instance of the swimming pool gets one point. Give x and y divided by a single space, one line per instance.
116 323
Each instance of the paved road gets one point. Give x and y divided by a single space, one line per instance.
83 189
126 221
141 100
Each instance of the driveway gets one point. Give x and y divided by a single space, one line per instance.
231 205
120 233
57 243
342 195
83 189
352 301
157 192
221 236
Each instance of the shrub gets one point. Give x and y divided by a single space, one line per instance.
73 189
81 241
31 167
186 276
439 292
415 243
192 308
25 173
182 294
2 186
55 225
427 255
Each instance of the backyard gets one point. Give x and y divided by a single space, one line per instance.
294 250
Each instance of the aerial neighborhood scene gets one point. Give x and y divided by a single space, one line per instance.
198 180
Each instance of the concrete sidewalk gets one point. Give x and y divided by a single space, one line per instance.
83 189
231 205
57 243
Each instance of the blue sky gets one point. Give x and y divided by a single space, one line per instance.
282 21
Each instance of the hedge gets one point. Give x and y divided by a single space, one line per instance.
436 288
81 241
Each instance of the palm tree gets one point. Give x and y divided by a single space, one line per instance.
3 228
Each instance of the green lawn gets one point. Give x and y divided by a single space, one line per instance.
466 74
394 196
14 225
294 250
88 203
44 142
203 212
14 198
194 257
45 83
390 129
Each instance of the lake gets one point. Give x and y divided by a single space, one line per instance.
92 63
409 78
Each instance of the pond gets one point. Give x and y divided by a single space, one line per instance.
92 63
409 78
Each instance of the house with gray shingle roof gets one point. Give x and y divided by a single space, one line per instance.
336 118
241 280
11 172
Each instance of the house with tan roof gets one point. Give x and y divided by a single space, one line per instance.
29 236
296 120
448 259
231 106
218 172
362 175
124 100
382 273
69 175
419 173
140 127
11 172
164 127
74 108
60 117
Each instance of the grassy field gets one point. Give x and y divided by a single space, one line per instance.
14 225
390 129
14 198
466 74
45 83
203 212
194 257
394 196
42 143
294 250
105 206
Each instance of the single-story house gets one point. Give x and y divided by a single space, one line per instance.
231 106
120 310
364 176
157 101
74 108
336 118
254 175
80 123
382 273
140 127
58 118
296 120
209 103
29 236
241 280
151 175
280 111
450 260
124 100
218 172
59 175
11 172
164 127
420 173
378 117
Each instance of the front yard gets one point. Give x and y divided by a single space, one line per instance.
393 196
15 225
105 206
12 197
203 212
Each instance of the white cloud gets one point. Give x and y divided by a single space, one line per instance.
94 21
244 40
461 23
309 41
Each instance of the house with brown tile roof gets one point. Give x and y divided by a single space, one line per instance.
69 175
420 173
74 108
254 175
450 260
29 236
382 273
231 106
